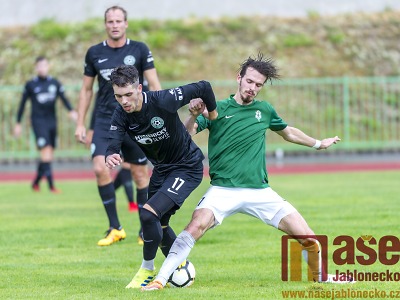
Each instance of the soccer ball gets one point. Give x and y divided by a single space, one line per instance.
183 276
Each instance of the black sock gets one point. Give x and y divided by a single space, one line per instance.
168 239
48 173
39 173
152 234
107 195
118 180
127 182
141 198
124 177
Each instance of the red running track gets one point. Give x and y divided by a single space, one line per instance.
272 170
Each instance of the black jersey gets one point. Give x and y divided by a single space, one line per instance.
43 92
101 60
158 129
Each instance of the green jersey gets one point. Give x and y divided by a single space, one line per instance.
236 143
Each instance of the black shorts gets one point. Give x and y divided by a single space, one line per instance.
45 134
131 151
178 183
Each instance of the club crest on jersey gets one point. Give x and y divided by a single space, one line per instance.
129 60
258 115
157 122
52 89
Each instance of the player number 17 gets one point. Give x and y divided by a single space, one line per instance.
178 183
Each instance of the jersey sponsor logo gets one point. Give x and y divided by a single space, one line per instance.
228 117
258 115
150 57
102 60
151 138
177 92
157 122
145 141
105 73
129 60
112 127
48 96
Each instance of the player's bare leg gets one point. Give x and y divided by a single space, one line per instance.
295 225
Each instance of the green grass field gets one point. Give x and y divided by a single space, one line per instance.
48 242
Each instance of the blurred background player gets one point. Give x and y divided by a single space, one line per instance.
100 60
43 91
123 177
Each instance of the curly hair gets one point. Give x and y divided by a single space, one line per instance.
265 66
124 75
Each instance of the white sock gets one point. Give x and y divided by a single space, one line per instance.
148 264
177 254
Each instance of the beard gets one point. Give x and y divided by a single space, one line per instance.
246 99
246 96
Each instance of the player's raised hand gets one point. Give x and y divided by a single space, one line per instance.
113 160
326 143
196 106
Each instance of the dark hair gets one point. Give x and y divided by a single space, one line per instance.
265 66
40 58
124 75
116 7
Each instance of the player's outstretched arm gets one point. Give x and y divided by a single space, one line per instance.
296 136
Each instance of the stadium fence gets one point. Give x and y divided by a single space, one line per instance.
363 111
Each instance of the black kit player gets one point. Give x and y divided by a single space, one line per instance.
43 91
100 60
151 120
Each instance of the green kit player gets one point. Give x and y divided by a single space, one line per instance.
239 179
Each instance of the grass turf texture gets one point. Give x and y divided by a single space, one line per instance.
48 242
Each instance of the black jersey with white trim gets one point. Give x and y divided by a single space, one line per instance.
100 61
158 129
43 93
